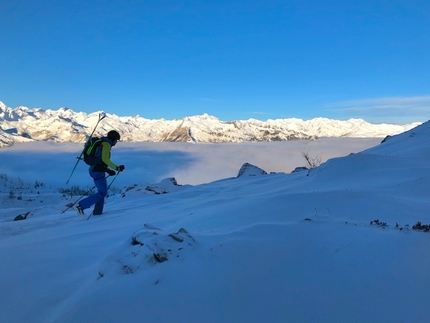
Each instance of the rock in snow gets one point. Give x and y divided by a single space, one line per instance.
250 170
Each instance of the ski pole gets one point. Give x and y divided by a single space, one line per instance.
101 117
72 204
106 191
113 180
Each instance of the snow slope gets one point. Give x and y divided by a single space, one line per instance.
333 244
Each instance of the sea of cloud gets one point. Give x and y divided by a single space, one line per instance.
194 164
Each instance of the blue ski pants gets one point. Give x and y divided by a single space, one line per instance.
98 198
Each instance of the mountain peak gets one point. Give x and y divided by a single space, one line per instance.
66 125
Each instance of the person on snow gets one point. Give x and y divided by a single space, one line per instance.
97 172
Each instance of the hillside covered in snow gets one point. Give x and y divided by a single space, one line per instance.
64 125
343 242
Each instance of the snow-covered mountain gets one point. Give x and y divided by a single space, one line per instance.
64 125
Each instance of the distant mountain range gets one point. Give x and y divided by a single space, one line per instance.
22 124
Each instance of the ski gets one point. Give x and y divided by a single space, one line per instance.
101 117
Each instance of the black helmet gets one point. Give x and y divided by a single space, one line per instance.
113 135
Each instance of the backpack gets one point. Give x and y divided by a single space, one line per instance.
90 150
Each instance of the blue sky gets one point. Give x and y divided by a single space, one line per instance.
232 59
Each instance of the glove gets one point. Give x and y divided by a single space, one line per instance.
111 172
120 168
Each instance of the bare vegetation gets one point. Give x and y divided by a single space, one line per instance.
311 161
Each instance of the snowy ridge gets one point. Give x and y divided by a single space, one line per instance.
64 125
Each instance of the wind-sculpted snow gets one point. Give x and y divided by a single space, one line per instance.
64 125
145 249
